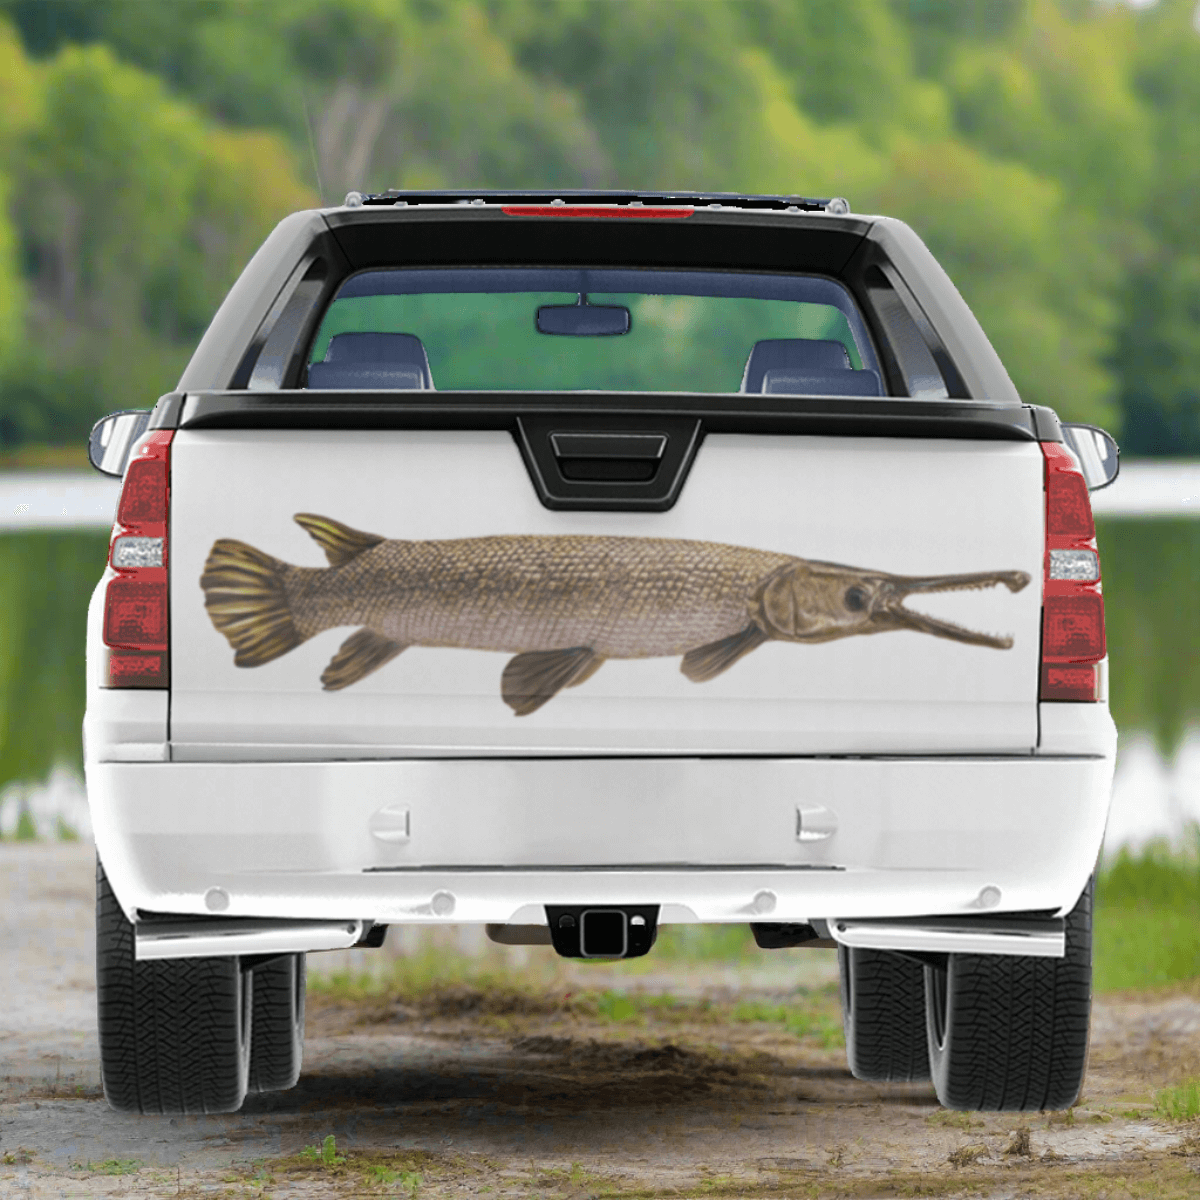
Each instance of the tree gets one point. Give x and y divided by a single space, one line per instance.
134 215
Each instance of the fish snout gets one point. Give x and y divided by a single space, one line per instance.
900 586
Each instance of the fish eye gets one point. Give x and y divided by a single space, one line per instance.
855 599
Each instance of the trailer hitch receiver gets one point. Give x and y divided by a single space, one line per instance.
602 930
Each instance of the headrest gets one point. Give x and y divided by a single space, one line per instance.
781 382
383 361
804 356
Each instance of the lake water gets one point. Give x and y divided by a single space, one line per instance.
54 541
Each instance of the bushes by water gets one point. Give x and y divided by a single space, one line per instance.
46 580
1151 571
1148 919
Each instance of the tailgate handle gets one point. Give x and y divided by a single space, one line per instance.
634 462
612 457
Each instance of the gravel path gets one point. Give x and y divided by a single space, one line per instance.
457 1103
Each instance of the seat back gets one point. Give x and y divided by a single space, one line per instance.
806 367
382 361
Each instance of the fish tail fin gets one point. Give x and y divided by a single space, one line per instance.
340 543
246 601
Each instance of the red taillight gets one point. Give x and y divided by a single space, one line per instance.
144 496
1073 607
135 617
136 612
1068 506
1073 628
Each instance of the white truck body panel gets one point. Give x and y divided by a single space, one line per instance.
702 837
904 506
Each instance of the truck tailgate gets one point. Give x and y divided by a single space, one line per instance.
905 506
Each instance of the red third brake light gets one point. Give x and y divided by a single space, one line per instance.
1073 607
639 211
136 604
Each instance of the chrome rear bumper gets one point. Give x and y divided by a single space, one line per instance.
947 935
240 936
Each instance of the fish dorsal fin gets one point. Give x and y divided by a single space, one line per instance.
359 655
529 680
340 542
707 662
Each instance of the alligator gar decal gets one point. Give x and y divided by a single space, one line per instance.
560 604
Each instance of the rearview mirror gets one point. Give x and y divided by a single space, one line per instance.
583 320
113 437
1099 457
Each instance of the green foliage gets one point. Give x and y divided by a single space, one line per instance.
1151 572
326 1153
616 1006
811 1018
1181 1103
26 830
1023 261
46 581
1146 933
385 1176
112 1166
1046 149
132 214
1159 347
18 104
849 61
706 943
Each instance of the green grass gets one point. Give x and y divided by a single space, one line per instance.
326 1153
443 983
26 830
384 1176
1180 1103
112 1166
446 982
1147 931
810 1019
706 943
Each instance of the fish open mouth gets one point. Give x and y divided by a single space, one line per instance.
890 604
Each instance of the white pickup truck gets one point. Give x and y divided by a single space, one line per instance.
575 564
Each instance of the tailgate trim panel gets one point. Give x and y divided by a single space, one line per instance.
972 420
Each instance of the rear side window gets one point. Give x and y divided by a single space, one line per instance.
551 329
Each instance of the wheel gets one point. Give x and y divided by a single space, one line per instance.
174 1033
277 1040
883 1014
1008 1033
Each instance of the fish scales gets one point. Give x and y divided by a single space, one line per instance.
622 597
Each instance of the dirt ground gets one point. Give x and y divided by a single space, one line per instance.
462 1097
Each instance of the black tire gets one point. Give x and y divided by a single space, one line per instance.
1010 1034
277 1041
883 1015
174 1033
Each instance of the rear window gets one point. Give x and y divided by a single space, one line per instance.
551 329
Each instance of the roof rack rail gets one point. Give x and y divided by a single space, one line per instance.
486 196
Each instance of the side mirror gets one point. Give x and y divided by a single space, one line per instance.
113 437
1099 458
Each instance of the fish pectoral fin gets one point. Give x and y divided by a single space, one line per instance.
530 679
707 662
597 661
340 542
359 655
